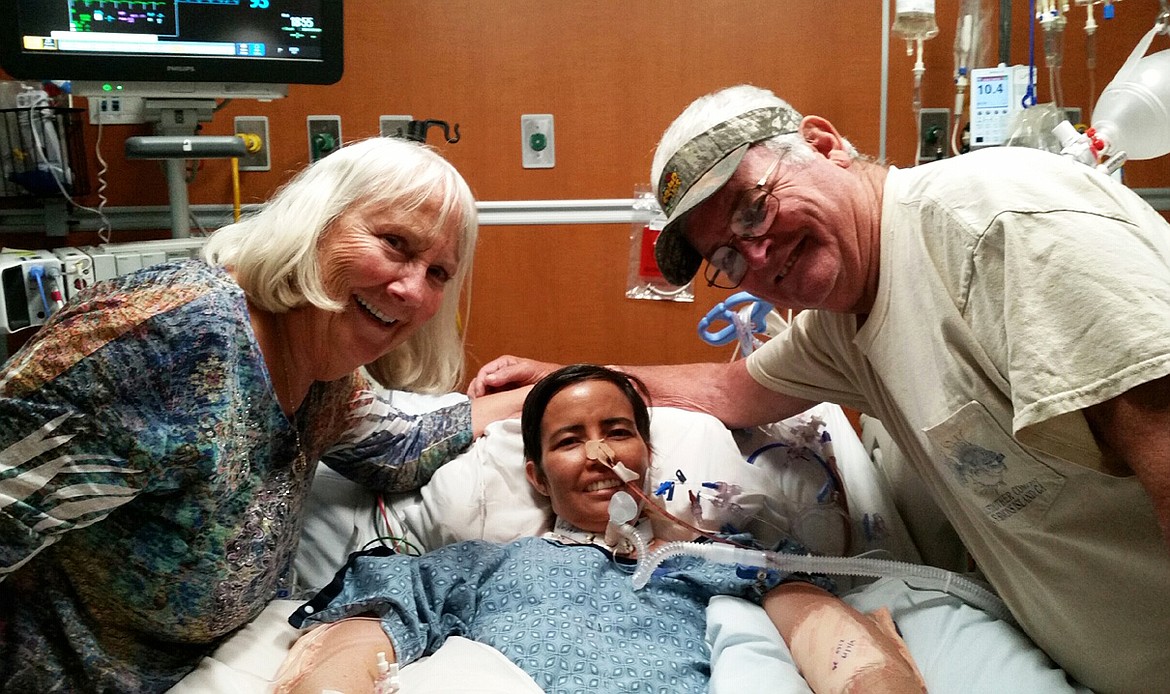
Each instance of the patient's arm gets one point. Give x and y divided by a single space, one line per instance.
838 649
341 656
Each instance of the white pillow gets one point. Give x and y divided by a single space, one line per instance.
483 494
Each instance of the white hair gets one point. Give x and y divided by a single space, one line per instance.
273 253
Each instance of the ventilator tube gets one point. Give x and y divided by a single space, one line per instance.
1133 113
915 575
622 511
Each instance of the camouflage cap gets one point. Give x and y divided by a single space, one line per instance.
698 169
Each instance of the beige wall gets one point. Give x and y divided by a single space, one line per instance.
613 73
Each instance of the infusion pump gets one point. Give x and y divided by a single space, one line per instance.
997 95
36 284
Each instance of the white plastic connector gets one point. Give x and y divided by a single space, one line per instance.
388 681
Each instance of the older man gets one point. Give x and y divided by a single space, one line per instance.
1006 314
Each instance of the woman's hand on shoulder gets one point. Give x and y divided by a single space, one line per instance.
508 372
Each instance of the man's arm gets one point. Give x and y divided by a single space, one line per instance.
1134 430
724 390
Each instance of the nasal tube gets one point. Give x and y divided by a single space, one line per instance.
916 575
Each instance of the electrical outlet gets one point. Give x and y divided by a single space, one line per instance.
116 110
934 128
393 126
536 141
324 136
255 125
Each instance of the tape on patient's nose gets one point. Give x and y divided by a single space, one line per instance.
596 449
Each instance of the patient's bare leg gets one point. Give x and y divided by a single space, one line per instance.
340 657
838 649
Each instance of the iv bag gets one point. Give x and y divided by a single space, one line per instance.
914 20
1133 113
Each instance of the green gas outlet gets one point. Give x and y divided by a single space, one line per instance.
324 136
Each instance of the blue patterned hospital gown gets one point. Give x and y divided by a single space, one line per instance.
151 488
565 614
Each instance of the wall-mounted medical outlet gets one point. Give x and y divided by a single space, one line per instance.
116 110
324 136
393 126
259 160
934 127
537 145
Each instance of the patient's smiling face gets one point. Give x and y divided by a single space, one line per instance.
580 488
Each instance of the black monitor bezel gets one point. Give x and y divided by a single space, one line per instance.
49 65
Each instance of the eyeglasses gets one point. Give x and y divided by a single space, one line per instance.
726 267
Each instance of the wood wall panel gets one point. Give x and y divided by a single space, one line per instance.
613 73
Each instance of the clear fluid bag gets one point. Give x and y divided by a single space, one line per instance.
914 20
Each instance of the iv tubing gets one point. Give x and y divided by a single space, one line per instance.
919 576
1091 54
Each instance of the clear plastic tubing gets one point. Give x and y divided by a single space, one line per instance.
623 510
916 575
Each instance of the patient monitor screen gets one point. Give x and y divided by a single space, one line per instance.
244 29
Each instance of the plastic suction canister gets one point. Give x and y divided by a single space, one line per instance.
1133 113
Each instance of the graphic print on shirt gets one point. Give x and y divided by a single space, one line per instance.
990 471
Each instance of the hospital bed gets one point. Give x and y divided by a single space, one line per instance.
483 494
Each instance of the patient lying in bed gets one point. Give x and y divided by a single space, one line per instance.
565 610
485 495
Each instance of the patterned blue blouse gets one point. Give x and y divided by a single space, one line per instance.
151 488
568 615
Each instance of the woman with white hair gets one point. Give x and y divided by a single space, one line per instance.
159 435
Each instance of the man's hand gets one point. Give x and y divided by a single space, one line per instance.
507 372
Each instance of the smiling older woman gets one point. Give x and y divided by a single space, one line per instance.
157 435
